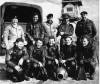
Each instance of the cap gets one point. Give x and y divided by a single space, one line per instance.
83 12
49 15
65 16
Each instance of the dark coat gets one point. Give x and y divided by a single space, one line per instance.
86 53
14 55
52 52
68 52
85 28
38 54
36 30
66 28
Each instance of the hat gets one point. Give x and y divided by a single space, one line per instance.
83 12
65 16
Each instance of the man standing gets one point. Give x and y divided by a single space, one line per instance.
50 28
65 28
85 27
34 30
12 32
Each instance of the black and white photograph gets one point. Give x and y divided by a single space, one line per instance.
49 41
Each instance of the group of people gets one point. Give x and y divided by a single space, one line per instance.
37 52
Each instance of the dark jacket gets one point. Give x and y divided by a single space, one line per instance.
68 52
86 53
14 55
36 30
66 28
52 52
38 54
85 28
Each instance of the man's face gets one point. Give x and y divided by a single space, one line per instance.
20 45
39 44
83 16
68 41
51 42
35 18
85 42
15 21
50 19
67 19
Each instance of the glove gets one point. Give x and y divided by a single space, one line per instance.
20 61
63 61
18 68
56 61
40 64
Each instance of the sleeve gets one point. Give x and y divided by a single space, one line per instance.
71 31
8 59
74 53
55 29
42 31
23 33
44 54
32 59
77 30
26 56
28 27
58 53
93 30
6 34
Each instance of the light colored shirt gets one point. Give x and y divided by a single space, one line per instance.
51 30
11 33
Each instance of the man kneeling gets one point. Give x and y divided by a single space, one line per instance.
17 62
37 57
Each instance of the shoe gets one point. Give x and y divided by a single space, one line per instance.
91 78
15 79
26 78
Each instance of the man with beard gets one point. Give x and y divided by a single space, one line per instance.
34 30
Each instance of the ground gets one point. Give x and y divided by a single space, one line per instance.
3 79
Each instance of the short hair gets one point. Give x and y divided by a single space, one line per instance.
87 37
35 14
67 36
49 15
15 18
19 40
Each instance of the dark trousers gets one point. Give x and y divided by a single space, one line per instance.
11 72
70 67
51 68
38 72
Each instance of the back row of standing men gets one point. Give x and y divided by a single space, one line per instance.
36 29
48 34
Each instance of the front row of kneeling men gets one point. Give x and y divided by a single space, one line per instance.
42 61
